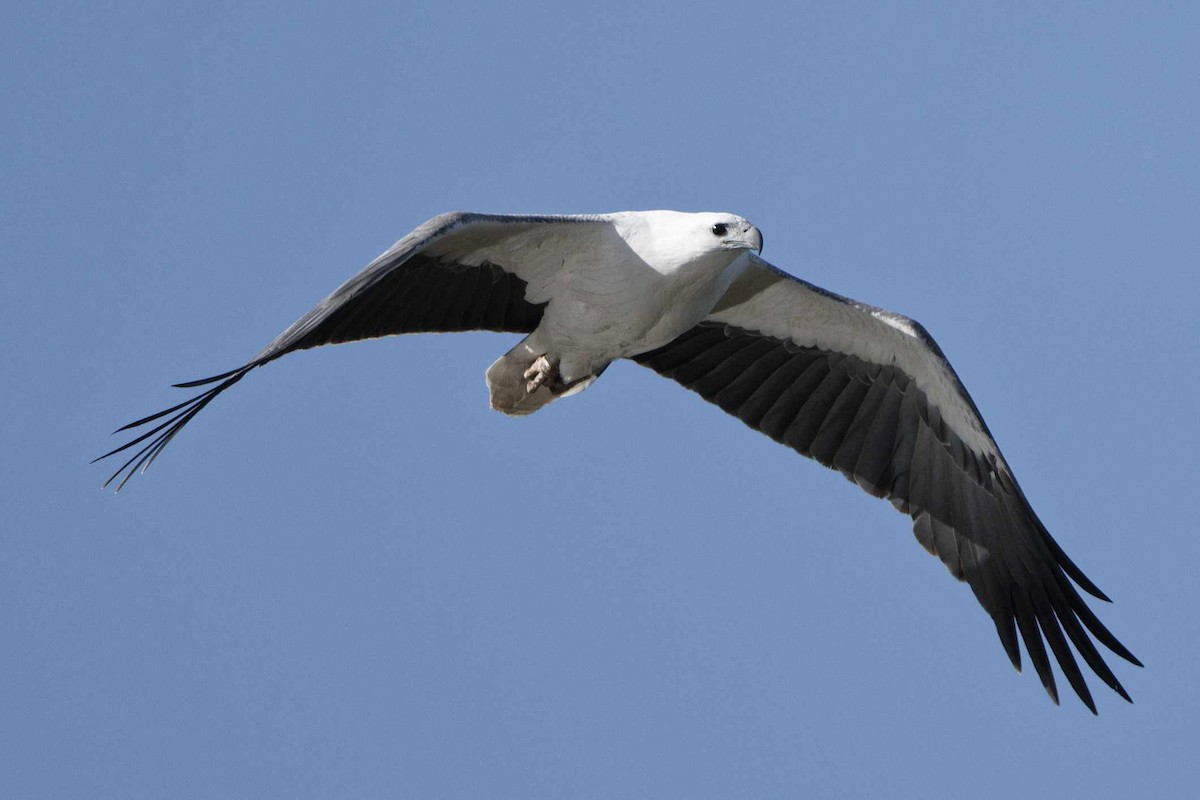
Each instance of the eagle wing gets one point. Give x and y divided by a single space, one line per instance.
869 393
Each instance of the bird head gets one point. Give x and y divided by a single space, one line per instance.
670 240
732 232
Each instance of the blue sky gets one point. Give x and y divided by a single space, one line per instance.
338 582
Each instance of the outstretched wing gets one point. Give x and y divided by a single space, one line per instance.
456 272
869 393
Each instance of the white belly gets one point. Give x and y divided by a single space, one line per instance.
600 313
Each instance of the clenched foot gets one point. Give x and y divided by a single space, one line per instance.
541 372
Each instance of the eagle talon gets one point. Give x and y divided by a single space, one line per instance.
542 372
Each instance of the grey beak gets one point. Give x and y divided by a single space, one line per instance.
754 236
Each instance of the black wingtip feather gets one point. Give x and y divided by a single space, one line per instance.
1051 630
206 381
1033 641
161 435
137 423
1060 555
1071 569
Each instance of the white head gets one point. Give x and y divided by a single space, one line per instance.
671 240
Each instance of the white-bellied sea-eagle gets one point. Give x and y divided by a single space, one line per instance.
859 389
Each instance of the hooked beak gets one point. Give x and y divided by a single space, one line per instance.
754 239
748 238
741 236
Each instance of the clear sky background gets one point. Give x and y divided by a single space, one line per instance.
349 578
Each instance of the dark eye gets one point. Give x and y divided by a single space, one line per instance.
720 229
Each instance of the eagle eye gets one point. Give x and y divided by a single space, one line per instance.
720 229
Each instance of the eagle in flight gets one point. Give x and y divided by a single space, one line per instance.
860 389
